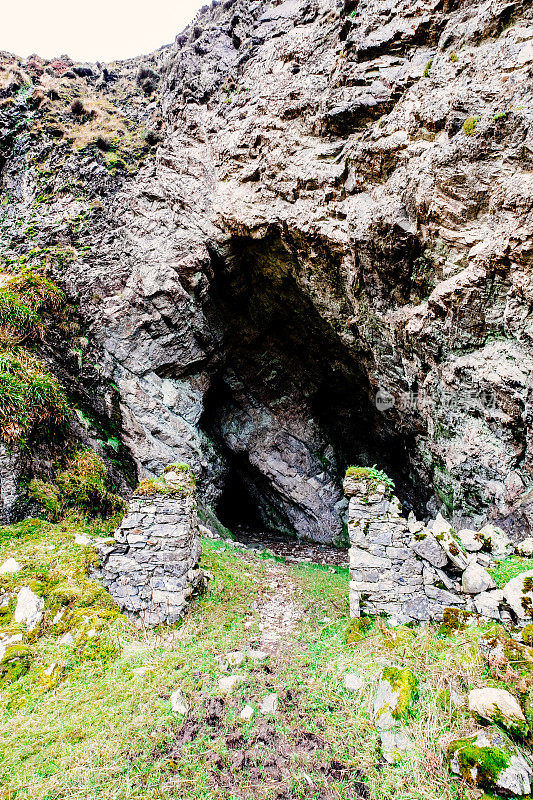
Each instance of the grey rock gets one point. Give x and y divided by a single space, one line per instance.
476 579
426 546
515 779
29 609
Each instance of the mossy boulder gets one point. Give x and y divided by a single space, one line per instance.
14 661
491 762
51 676
518 593
395 696
500 707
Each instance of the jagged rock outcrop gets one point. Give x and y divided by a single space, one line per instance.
323 258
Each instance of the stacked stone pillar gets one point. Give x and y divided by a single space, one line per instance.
151 568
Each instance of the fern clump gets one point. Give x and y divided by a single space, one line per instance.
372 475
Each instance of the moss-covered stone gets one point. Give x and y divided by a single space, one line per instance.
51 676
14 662
491 762
177 479
396 694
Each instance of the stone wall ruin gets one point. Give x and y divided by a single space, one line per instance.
151 567
412 571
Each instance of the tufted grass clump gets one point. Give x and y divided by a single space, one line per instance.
18 320
373 475
29 396
38 291
23 298
82 485
469 125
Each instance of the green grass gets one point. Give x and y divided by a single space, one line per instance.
105 732
509 568
29 396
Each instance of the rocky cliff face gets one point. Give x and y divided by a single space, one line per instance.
301 237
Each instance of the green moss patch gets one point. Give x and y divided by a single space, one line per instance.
478 766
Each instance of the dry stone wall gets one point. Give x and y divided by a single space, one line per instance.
413 571
387 575
151 568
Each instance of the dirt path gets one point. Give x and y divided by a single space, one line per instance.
279 610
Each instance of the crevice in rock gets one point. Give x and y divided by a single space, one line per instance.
290 405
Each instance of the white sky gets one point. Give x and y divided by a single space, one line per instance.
92 30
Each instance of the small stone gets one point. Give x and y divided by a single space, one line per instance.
353 682
476 579
141 671
269 704
9 567
235 658
58 617
67 639
29 609
470 540
393 745
257 655
228 683
80 538
178 702
500 707
247 712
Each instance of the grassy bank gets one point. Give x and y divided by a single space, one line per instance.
106 729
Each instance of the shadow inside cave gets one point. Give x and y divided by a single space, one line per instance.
290 405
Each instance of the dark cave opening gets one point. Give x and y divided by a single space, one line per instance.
290 405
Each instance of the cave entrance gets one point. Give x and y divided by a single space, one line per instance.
290 405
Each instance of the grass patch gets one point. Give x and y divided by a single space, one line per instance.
106 731
29 396
509 568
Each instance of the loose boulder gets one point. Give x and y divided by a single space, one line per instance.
497 541
491 762
476 579
29 609
525 548
470 540
498 706
518 593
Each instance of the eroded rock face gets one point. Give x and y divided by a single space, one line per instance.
317 227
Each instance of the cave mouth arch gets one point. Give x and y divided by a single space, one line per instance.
290 405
